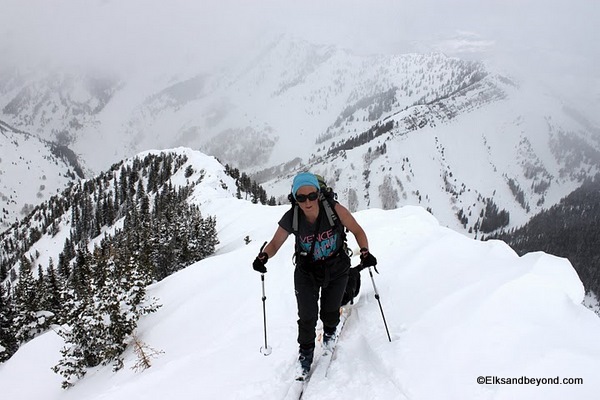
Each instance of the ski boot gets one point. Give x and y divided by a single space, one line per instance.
305 359
329 338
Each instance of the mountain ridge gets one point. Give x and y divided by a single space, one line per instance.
295 102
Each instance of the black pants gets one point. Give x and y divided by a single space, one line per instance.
331 287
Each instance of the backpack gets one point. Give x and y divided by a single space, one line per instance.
352 287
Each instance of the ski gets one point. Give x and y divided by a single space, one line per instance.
321 362
298 387
301 380
320 370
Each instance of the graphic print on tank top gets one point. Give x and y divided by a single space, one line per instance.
328 240
326 243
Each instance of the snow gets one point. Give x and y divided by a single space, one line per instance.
29 174
456 308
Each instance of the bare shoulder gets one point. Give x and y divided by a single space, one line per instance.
341 210
344 214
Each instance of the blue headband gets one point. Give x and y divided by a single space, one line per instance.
304 179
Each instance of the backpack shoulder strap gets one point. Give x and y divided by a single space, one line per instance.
332 216
295 218
328 207
335 222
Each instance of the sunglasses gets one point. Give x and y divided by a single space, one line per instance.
301 198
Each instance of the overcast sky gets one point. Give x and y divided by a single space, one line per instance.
554 40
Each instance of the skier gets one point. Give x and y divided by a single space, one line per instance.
322 262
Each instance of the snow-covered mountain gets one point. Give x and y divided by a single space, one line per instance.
459 311
288 95
31 171
489 148
92 208
454 136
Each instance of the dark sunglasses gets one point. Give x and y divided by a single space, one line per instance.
301 198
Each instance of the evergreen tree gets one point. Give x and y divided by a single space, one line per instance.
117 200
8 340
63 267
80 277
3 270
123 185
109 210
78 336
52 293
104 325
26 303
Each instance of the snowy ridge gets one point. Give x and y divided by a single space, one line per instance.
457 309
204 174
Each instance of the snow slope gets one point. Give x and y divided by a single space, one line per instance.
457 309
31 171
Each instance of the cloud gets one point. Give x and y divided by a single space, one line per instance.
555 39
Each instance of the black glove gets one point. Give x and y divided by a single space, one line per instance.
260 261
367 259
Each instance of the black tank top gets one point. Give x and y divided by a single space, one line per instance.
328 239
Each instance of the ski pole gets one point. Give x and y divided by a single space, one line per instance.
266 349
380 307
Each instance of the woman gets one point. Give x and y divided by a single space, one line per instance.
321 260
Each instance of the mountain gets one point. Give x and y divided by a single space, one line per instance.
489 148
150 188
31 171
459 310
569 229
477 148
289 94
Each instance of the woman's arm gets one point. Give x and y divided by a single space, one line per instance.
349 222
279 238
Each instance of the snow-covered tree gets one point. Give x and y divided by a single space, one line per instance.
8 341
105 322
51 300
28 320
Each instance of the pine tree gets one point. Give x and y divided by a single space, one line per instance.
63 267
8 340
210 239
52 293
26 323
80 277
123 185
3 269
45 317
102 329
75 359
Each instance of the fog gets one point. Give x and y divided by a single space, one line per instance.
552 43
